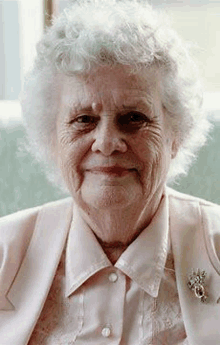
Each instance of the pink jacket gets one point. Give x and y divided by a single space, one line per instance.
32 241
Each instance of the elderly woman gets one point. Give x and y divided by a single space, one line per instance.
113 109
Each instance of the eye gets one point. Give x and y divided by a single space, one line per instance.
136 117
85 119
133 121
84 122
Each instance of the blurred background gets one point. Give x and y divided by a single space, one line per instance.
22 22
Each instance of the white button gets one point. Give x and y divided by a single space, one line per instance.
106 332
112 277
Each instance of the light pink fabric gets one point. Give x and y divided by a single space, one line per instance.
194 228
133 302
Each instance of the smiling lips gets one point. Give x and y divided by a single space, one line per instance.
116 171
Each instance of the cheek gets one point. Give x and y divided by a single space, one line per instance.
151 148
149 144
71 154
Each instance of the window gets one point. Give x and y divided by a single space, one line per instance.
20 29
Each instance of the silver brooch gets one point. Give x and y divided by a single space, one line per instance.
196 284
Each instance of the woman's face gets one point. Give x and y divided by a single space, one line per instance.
114 143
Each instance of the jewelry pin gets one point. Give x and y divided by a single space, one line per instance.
196 284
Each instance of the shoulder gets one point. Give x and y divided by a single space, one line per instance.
16 233
22 223
186 199
191 215
17 229
206 212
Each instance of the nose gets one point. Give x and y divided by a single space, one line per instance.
108 138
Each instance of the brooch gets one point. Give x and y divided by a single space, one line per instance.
196 284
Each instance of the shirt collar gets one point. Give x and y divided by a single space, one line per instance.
84 255
143 261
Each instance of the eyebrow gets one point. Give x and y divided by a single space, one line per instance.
74 108
145 103
82 108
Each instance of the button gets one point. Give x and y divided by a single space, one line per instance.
113 277
106 332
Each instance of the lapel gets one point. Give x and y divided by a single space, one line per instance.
31 285
191 224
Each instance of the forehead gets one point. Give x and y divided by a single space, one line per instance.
108 86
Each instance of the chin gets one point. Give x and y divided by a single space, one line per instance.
108 197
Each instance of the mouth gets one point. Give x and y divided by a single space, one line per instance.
114 171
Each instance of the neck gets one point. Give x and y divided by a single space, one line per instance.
115 228
112 250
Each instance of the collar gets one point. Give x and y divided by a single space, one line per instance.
143 261
84 255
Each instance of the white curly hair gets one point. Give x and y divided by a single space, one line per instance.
93 33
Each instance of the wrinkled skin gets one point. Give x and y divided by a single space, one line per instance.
114 146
